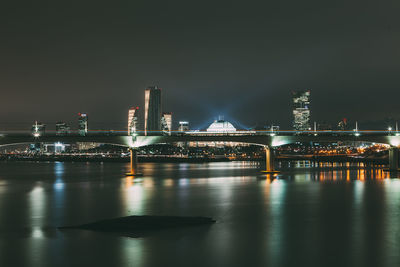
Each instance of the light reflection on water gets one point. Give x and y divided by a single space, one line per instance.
299 216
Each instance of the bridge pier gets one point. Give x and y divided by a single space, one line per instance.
133 163
269 161
393 158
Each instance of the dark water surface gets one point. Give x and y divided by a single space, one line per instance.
331 215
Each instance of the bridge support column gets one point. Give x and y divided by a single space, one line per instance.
269 161
393 159
133 164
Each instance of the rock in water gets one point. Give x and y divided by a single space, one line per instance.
138 224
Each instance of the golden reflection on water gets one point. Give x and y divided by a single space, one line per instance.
360 174
133 195
129 181
168 182
339 171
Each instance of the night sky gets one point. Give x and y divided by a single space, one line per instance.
239 59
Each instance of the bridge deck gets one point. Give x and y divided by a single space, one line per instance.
257 138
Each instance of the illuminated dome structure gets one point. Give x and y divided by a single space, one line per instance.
221 126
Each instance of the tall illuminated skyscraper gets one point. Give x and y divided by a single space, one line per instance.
133 120
82 124
166 123
152 111
301 110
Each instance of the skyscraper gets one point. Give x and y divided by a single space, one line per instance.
152 111
62 128
183 126
342 125
82 124
133 120
301 110
166 123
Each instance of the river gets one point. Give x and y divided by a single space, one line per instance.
309 215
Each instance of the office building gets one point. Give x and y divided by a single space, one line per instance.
166 123
62 128
301 110
133 120
152 111
343 125
83 124
183 126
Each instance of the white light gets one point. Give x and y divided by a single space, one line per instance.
390 128
357 134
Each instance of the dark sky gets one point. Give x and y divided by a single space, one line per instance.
239 59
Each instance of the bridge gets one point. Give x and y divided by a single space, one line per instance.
269 140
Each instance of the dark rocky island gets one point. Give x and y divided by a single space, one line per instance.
139 225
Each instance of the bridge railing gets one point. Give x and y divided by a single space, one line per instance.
102 132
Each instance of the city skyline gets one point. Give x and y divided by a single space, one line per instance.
199 122
158 120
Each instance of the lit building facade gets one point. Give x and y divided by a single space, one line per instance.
86 145
133 120
183 126
342 125
82 124
218 127
152 111
166 123
62 128
301 110
38 129
221 126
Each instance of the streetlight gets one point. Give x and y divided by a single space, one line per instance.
356 130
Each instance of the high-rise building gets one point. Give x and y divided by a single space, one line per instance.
38 129
166 123
342 125
82 124
62 128
183 126
152 111
133 120
301 110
